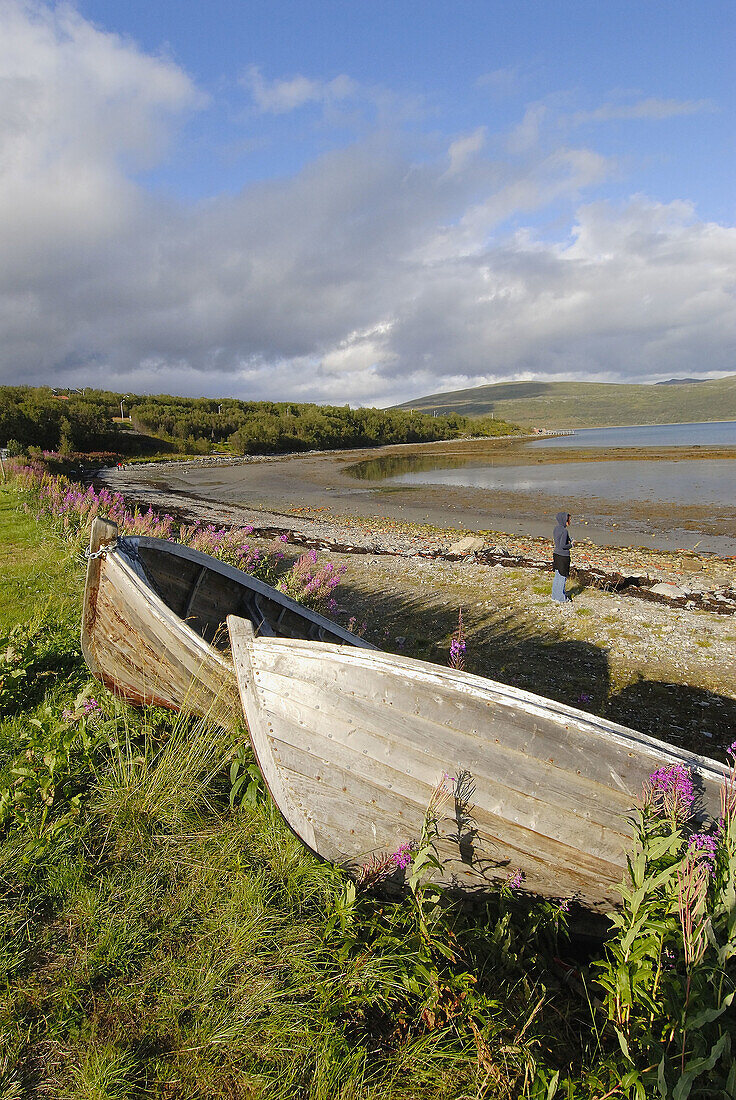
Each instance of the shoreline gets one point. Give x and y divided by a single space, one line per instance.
323 483
312 498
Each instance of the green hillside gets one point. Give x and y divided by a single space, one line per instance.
588 404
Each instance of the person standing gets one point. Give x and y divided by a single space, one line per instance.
561 557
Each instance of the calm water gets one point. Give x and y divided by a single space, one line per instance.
722 434
696 481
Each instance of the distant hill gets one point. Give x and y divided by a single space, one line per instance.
679 381
589 404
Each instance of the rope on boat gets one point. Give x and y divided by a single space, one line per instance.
91 554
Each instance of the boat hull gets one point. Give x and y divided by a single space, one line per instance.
353 744
153 624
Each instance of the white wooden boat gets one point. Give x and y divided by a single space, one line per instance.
153 624
352 744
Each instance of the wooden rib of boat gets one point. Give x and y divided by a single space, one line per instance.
153 623
352 743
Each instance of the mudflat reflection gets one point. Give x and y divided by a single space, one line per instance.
698 481
393 467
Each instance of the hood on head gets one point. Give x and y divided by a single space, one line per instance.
562 518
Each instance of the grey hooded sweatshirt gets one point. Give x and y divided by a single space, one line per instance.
561 535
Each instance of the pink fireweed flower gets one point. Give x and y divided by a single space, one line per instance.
383 864
703 849
457 645
728 796
670 792
515 880
402 855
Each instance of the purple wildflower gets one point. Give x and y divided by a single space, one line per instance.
457 645
670 791
583 697
692 889
284 538
402 855
383 865
703 848
515 881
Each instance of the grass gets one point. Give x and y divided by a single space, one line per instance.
589 404
37 571
156 942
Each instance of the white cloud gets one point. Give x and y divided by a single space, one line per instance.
652 109
373 275
464 148
525 136
281 96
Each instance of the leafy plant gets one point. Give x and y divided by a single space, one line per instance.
668 973
42 787
16 648
246 782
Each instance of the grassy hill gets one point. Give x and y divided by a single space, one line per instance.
589 404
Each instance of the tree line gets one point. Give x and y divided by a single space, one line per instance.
82 421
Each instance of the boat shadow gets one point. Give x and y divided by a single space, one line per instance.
510 646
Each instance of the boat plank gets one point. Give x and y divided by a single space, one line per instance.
494 852
403 801
562 804
360 739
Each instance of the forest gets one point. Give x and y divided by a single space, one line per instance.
75 421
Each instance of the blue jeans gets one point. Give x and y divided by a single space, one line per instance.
558 588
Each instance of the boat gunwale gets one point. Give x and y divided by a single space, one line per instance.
178 549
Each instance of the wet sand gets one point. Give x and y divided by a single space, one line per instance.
324 483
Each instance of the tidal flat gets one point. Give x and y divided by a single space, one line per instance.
355 485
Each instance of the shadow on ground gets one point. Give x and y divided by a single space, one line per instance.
511 648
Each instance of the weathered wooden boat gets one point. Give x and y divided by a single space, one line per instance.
153 623
352 744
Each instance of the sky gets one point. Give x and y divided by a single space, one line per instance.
360 202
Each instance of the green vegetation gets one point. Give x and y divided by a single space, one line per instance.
72 424
163 934
589 404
